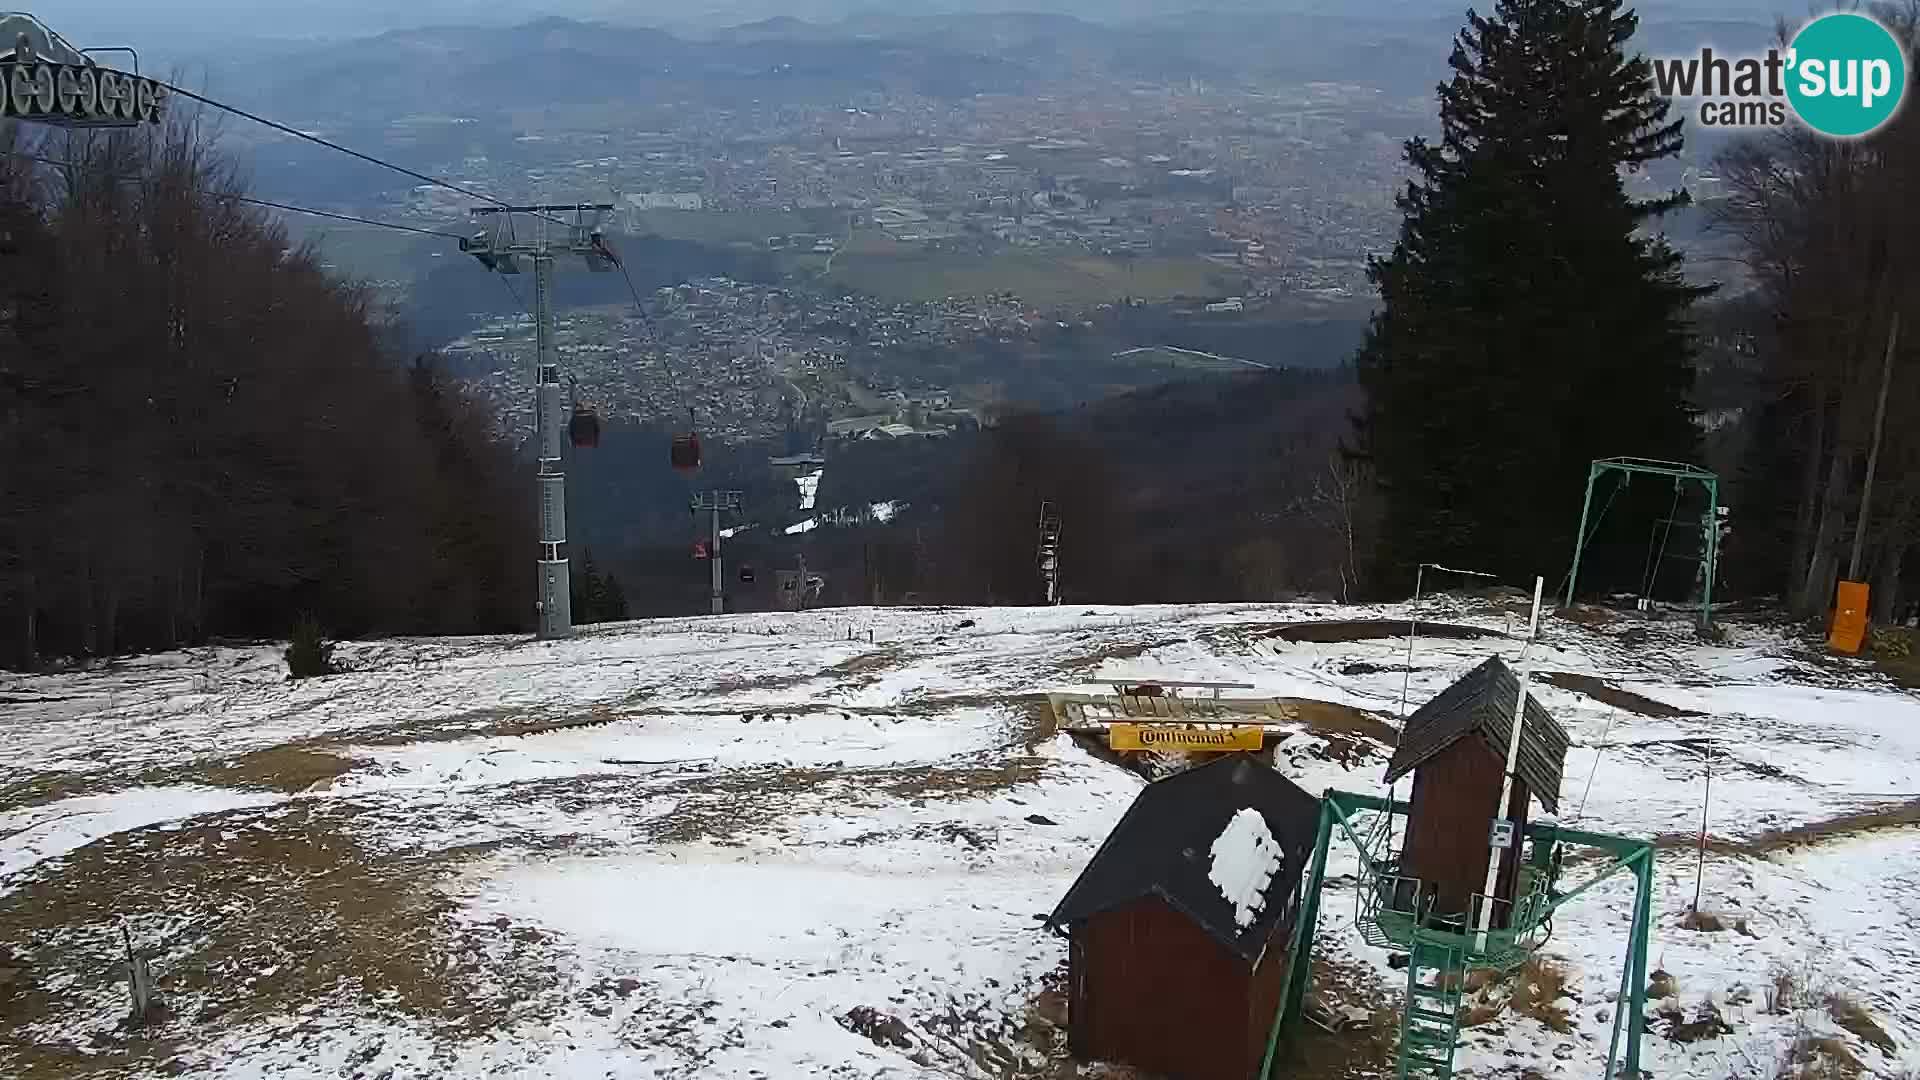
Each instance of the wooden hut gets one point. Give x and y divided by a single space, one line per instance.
1166 972
1456 747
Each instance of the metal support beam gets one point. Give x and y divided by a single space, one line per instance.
1637 963
1627 466
1298 977
718 597
1580 538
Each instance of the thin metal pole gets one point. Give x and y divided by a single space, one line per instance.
1713 549
1406 688
1506 780
1873 453
1642 932
719 600
1413 618
1580 538
1700 864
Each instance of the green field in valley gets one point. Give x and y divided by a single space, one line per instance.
725 227
1167 358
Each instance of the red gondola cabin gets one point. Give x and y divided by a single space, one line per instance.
1177 952
686 452
584 428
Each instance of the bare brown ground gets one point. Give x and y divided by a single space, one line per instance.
260 920
1897 816
1363 1051
295 766
1614 696
1335 632
285 769
1902 670
1129 651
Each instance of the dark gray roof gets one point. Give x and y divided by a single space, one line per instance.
1163 846
1482 702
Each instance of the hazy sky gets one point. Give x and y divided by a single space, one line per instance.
195 27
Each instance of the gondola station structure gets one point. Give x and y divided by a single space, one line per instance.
1179 927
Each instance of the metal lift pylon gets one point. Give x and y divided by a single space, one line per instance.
501 250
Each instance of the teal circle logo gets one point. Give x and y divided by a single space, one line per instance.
1846 74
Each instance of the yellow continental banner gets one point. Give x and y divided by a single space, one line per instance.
1168 737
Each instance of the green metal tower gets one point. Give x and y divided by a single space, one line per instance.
1441 954
1682 474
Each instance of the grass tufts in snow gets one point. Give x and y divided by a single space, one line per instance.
1537 991
1698 1024
1858 1022
1662 985
1818 1057
1708 922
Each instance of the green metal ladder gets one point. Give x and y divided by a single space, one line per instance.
1430 1025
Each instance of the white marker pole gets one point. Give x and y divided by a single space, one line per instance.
1506 780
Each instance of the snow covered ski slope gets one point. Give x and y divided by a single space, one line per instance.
815 845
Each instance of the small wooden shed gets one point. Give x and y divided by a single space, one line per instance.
1456 748
1166 972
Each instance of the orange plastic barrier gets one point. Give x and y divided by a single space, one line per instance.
1849 618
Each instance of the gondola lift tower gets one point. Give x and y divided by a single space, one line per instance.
501 249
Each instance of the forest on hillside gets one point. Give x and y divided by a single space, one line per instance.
205 436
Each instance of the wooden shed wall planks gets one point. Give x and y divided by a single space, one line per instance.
1150 988
1454 796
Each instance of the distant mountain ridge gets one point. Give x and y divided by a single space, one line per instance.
473 69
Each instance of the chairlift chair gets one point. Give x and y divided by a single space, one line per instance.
746 575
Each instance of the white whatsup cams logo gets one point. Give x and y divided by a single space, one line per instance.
1843 75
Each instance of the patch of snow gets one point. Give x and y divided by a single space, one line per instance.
869 774
884 511
38 833
804 526
1245 858
809 486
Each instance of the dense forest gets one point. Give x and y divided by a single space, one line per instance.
1829 229
205 436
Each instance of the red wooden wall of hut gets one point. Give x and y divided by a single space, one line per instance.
1151 988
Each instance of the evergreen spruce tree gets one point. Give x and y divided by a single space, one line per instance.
1529 323
589 592
615 609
